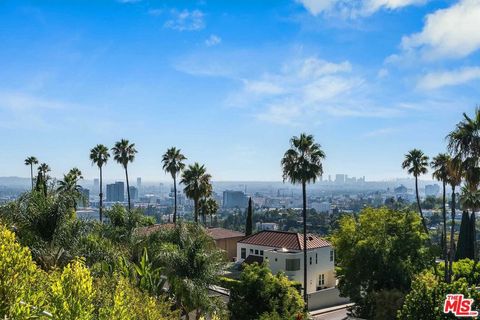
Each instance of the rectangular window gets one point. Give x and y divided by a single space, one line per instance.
292 264
243 254
331 255
261 252
256 252
321 279
251 251
310 260
316 258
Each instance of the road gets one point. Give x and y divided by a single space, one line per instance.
333 315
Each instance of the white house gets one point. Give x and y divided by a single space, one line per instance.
266 226
284 252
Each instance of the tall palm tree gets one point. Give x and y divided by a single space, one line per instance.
464 144
173 164
42 178
465 139
124 153
207 207
416 163
454 179
69 186
197 184
302 163
30 161
99 156
440 166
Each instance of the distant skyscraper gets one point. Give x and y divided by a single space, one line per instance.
139 183
329 178
116 192
234 199
133 193
339 178
96 184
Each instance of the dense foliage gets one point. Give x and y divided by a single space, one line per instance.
382 250
261 295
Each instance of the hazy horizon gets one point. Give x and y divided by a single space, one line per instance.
231 84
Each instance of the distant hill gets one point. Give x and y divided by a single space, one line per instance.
15 182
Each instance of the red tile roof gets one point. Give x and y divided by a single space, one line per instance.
282 239
221 233
148 230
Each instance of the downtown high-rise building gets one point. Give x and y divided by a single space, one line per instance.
116 192
234 199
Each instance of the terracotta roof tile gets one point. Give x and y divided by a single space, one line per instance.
282 239
221 233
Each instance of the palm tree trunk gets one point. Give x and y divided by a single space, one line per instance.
304 213
101 197
420 207
445 233
31 174
211 220
195 204
452 238
175 201
128 189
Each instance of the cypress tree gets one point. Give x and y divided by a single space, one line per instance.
463 238
471 237
249 223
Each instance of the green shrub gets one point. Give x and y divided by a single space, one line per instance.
21 281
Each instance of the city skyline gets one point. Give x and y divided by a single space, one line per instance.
230 85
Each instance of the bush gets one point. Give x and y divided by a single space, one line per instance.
72 293
260 292
425 300
21 281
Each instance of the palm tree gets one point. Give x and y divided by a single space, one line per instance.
454 179
197 184
207 207
30 161
99 156
465 139
440 166
69 186
464 144
302 163
416 163
42 179
173 164
124 152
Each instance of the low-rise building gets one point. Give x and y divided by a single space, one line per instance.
226 240
284 252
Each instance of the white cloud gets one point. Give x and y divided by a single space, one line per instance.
186 20
354 8
16 101
379 132
435 80
304 89
213 40
451 32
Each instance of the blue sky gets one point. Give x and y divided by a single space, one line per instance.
229 82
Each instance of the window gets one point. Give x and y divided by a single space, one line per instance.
243 253
261 252
316 258
321 279
292 264
331 255
256 252
310 260
251 251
